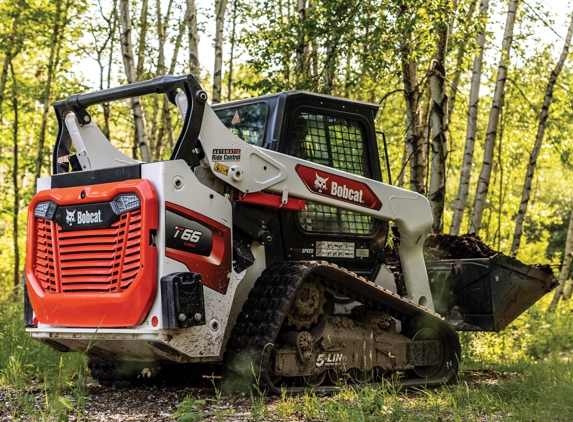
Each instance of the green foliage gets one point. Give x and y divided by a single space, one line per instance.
28 367
535 335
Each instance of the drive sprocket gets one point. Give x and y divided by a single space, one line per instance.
308 304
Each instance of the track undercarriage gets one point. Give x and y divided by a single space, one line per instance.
289 334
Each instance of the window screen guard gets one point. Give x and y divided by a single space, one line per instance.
339 143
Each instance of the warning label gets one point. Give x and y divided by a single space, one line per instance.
221 168
236 118
335 249
226 155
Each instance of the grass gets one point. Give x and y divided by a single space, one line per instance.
40 382
524 374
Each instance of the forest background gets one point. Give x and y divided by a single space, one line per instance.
497 132
415 59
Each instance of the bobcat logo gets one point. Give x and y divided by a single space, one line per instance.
320 183
70 218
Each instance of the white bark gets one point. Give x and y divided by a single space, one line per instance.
498 98
525 195
222 6
127 52
565 267
463 187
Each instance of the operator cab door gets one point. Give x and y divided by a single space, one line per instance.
337 134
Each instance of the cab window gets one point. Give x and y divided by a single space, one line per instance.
246 121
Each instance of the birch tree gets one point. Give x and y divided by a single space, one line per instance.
232 53
221 7
412 96
459 67
439 124
565 267
11 48
491 133
15 178
463 187
193 37
143 27
526 192
130 71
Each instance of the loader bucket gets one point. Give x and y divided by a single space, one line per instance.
486 294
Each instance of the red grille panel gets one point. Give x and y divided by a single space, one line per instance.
95 260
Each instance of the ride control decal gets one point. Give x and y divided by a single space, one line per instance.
226 155
338 187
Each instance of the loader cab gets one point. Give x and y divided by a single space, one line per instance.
331 131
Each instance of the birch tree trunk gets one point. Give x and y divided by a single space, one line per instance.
302 49
193 36
565 267
137 109
414 126
498 97
9 52
141 42
162 25
525 195
15 180
112 22
221 8
439 125
464 185
460 59
232 53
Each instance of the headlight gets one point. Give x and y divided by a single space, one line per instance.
125 202
45 210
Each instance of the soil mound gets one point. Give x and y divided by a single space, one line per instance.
445 246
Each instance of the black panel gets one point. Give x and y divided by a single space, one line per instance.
187 235
87 216
182 300
28 312
96 177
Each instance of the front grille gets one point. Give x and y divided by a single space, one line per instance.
94 260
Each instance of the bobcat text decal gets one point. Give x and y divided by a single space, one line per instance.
338 187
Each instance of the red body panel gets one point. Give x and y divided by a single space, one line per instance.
97 277
270 200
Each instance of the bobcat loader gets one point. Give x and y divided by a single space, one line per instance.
257 248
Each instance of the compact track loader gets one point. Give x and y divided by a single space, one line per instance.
257 249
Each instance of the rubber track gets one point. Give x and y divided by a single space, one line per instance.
249 347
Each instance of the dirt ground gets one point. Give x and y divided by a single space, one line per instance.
151 404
